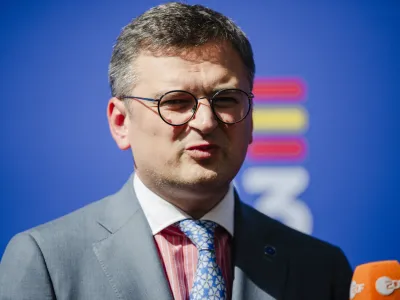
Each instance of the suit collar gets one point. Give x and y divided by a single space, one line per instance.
119 208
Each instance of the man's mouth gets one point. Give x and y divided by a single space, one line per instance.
202 151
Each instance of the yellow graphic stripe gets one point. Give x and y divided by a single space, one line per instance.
280 119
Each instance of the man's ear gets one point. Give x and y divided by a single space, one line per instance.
118 121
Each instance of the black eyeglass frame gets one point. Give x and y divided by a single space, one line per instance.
250 97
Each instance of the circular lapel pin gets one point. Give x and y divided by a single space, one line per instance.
269 250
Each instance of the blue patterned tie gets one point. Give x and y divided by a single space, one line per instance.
208 282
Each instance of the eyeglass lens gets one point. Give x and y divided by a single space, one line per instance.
178 107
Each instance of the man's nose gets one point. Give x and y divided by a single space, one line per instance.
204 119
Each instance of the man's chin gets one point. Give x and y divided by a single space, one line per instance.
200 175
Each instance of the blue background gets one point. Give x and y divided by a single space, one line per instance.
57 154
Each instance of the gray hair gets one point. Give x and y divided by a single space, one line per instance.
171 27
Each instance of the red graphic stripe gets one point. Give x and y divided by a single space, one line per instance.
277 149
282 89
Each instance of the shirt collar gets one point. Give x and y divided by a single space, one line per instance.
160 213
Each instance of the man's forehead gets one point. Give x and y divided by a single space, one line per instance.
170 73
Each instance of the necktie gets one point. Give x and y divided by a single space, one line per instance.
208 282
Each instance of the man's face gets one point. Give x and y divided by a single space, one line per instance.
203 152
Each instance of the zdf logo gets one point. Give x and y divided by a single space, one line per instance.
385 285
355 289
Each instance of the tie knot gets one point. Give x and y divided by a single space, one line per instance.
200 232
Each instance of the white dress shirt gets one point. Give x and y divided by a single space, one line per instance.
160 213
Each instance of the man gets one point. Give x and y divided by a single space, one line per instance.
181 79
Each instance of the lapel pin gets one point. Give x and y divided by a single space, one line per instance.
269 250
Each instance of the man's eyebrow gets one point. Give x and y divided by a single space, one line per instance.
216 90
159 94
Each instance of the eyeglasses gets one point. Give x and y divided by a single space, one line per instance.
178 107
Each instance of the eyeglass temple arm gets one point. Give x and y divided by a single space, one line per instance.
140 98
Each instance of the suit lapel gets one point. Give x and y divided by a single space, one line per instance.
256 275
128 256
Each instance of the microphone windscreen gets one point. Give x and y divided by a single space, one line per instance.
376 280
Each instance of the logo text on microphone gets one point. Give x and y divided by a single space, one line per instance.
386 286
356 288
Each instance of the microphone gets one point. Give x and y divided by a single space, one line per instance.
376 280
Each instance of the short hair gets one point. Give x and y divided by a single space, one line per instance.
173 26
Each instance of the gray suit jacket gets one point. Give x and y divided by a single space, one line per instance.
106 251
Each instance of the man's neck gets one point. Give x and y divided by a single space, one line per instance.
194 200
